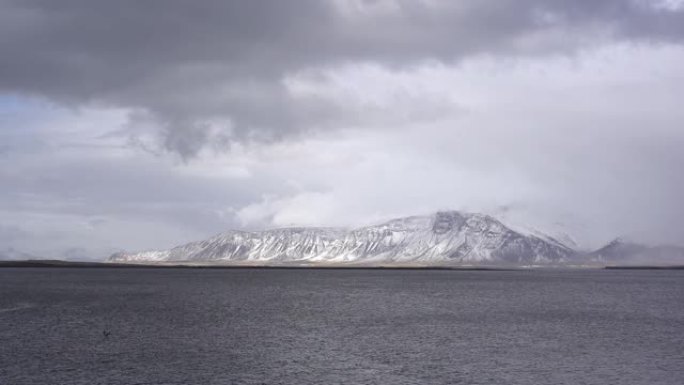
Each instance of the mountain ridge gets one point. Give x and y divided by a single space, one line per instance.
445 237
624 251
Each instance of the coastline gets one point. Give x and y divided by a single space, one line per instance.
195 265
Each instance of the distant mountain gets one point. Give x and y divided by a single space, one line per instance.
620 251
11 254
442 238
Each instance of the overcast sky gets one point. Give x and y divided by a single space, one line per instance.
145 124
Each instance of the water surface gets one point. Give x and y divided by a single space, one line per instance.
255 326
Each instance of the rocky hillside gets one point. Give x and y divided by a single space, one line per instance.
442 238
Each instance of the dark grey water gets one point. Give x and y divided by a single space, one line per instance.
178 326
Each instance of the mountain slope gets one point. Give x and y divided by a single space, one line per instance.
442 238
620 251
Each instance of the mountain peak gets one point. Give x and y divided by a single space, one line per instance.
444 237
621 250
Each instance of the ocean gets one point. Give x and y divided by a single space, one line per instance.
322 326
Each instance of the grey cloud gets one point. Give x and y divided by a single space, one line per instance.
50 203
129 188
8 233
197 65
542 110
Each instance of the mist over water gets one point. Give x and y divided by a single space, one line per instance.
255 326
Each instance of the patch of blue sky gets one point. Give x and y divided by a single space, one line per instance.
20 119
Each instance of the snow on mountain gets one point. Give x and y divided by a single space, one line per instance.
621 251
442 238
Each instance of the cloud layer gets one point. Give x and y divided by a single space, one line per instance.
212 71
145 124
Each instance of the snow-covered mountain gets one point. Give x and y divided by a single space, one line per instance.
621 251
442 238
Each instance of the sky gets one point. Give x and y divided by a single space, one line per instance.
129 125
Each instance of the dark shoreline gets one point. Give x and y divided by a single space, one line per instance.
645 267
108 265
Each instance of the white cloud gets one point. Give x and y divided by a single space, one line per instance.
565 142
589 143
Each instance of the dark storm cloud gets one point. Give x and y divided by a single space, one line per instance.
212 71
